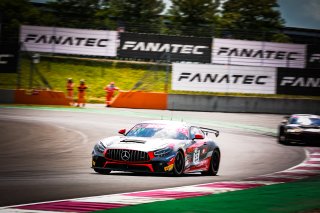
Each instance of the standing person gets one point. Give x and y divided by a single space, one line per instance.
69 87
110 91
81 93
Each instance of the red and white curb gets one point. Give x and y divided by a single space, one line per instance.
310 167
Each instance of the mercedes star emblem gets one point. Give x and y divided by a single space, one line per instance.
125 155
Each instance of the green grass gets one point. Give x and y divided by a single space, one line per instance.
98 73
300 196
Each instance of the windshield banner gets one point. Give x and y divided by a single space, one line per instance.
223 78
69 41
258 53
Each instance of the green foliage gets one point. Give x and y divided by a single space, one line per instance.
75 13
136 16
14 13
197 17
254 19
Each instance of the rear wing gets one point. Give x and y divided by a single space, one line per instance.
208 130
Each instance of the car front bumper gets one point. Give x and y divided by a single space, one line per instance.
157 166
305 137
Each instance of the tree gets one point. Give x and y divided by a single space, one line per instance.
76 13
196 17
259 20
15 13
136 16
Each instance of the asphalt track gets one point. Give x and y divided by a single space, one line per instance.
46 153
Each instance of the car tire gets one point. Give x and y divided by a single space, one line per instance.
102 171
281 137
179 163
214 164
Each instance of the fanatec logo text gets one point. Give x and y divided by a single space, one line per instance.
4 58
65 40
314 58
261 54
223 78
300 81
164 47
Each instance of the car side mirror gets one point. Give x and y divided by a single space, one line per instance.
122 131
198 136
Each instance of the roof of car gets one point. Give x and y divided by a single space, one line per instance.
169 122
304 115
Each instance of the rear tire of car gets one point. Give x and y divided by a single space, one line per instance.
214 164
179 164
102 171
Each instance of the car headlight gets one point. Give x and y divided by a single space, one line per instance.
100 147
162 152
294 130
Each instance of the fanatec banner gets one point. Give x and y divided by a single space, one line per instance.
313 56
298 82
223 78
69 41
9 54
149 46
256 53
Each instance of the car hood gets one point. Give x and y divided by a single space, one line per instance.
137 143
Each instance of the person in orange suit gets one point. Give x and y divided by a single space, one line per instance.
110 89
70 86
81 93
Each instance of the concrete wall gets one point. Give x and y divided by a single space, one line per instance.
242 104
7 96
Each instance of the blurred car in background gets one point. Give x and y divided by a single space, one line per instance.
158 146
300 128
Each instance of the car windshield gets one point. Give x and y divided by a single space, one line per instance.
303 120
151 130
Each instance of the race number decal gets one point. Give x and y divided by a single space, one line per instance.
196 156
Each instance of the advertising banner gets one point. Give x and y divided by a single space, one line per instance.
313 56
9 55
69 41
298 82
256 53
223 78
150 46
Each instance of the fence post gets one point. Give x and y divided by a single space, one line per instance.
166 87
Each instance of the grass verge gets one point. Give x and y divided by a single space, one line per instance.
300 196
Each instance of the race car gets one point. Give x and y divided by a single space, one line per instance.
159 146
299 128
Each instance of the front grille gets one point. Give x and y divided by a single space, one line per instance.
127 155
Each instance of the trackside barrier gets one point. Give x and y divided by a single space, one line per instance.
140 100
41 97
210 103
7 96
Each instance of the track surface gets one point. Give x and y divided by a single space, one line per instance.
46 154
